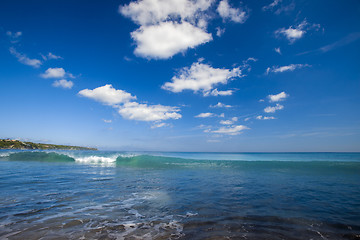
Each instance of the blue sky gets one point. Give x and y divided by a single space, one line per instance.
182 75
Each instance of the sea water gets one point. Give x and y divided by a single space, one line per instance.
120 195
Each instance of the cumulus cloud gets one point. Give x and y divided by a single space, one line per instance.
202 78
107 95
264 118
291 67
63 83
54 73
167 27
278 97
270 109
205 115
166 39
220 105
147 12
148 113
234 14
22 58
294 33
230 130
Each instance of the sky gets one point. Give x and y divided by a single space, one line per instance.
182 75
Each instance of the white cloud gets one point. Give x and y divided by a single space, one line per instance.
167 27
159 125
270 109
271 5
234 14
215 93
202 77
205 115
226 122
50 56
230 130
278 50
264 118
294 33
229 122
22 58
148 113
291 67
53 73
220 105
107 121
220 31
63 83
278 97
166 39
148 12
14 36
107 95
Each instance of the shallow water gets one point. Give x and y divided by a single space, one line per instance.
117 195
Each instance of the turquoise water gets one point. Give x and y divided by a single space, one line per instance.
120 195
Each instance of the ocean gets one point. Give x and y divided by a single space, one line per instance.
158 195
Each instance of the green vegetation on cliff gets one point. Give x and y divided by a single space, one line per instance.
16 144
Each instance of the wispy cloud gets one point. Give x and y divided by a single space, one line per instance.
50 56
260 117
350 38
14 36
230 130
22 58
205 115
291 67
220 105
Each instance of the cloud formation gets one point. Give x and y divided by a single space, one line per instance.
291 67
63 83
202 78
148 113
278 97
128 109
264 118
107 95
294 33
166 39
228 13
167 27
54 73
205 115
220 105
14 36
22 58
230 130
270 109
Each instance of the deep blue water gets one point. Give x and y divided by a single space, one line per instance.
113 195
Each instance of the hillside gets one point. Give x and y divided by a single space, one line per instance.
16 144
